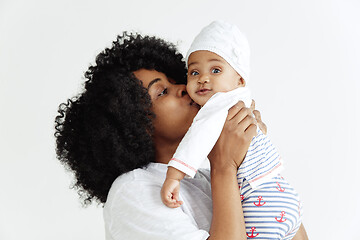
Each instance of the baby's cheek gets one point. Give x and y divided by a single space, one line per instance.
189 85
190 90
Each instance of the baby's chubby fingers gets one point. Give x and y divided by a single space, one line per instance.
170 200
177 204
176 198
170 193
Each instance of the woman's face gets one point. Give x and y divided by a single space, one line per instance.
171 104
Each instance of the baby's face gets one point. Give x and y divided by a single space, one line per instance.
208 73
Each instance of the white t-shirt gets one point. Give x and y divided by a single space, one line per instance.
134 209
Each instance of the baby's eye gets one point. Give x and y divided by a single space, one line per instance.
215 70
163 92
194 73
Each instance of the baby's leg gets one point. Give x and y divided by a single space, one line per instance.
273 211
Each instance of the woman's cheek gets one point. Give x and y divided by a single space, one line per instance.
166 110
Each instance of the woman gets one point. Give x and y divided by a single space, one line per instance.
119 134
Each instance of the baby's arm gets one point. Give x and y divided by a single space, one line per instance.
171 188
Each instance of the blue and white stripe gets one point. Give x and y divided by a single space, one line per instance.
272 211
262 161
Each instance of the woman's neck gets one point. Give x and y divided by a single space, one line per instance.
164 150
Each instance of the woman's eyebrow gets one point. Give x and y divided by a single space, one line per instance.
152 82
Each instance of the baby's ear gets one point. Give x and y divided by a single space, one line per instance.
242 82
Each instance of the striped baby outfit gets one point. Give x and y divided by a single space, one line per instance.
272 211
262 161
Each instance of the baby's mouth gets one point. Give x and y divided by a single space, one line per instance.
203 91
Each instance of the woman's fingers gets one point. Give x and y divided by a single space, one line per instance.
243 121
261 125
248 125
241 114
235 109
233 143
238 112
257 115
252 106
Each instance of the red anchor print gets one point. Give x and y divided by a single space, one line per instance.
242 197
282 214
259 204
252 233
279 188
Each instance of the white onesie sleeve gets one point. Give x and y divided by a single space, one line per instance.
134 210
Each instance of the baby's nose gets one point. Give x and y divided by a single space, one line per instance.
204 79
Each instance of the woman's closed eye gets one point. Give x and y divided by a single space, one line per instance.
163 92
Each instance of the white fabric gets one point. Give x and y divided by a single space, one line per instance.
206 129
134 210
226 40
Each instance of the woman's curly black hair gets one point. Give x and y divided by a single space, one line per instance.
106 130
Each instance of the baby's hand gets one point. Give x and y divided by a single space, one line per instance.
170 193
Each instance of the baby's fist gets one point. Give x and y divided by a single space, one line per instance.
170 193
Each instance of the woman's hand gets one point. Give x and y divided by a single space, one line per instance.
257 115
234 141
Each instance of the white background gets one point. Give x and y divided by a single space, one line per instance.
305 79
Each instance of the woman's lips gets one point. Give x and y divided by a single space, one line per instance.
203 91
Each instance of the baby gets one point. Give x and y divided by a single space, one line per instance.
218 70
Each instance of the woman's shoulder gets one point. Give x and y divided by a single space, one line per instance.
136 179
134 209
151 177
136 175
154 173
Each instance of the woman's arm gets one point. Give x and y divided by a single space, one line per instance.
227 155
228 219
301 234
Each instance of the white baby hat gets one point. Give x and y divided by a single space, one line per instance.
226 40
